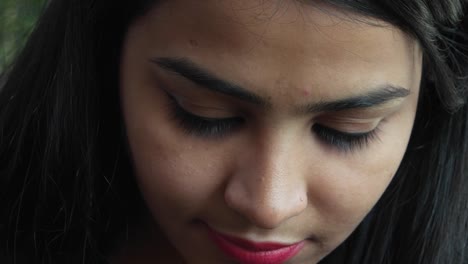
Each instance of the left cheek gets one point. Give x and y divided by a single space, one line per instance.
349 191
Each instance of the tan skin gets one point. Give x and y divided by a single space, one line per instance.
273 176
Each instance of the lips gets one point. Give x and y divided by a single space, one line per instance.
248 252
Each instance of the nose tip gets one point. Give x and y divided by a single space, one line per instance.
269 208
268 185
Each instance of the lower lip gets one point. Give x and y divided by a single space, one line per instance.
264 253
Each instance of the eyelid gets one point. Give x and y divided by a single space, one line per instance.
346 142
208 111
217 128
196 108
201 126
380 111
350 125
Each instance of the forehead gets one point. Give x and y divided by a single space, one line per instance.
281 44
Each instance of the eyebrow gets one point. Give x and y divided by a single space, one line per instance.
207 80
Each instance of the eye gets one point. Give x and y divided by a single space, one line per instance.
344 141
203 126
208 127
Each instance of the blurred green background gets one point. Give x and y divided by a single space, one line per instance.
17 19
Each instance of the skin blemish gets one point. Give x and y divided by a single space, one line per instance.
193 43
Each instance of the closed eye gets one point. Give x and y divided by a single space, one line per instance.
345 141
203 126
207 127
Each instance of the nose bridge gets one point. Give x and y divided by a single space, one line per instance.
267 186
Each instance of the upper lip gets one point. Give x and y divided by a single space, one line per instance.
255 246
252 245
250 252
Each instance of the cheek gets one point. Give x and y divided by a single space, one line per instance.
175 176
346 194
348 188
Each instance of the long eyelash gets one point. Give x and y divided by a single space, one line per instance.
202 126
345 141
217 127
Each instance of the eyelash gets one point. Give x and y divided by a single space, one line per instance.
203 126
345 141
218 127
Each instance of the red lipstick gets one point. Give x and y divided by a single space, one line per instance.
249 252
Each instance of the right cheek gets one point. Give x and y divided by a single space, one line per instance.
177 175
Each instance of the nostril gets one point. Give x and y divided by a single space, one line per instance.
267 189
272 216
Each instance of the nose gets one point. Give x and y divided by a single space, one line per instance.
267 186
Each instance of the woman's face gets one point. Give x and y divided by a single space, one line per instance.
268 121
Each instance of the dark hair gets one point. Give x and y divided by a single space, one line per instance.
66 190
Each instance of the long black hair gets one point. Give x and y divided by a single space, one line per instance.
66 185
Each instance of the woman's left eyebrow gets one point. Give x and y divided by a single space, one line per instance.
375 96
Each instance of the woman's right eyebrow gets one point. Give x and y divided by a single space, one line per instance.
375 96
205 79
